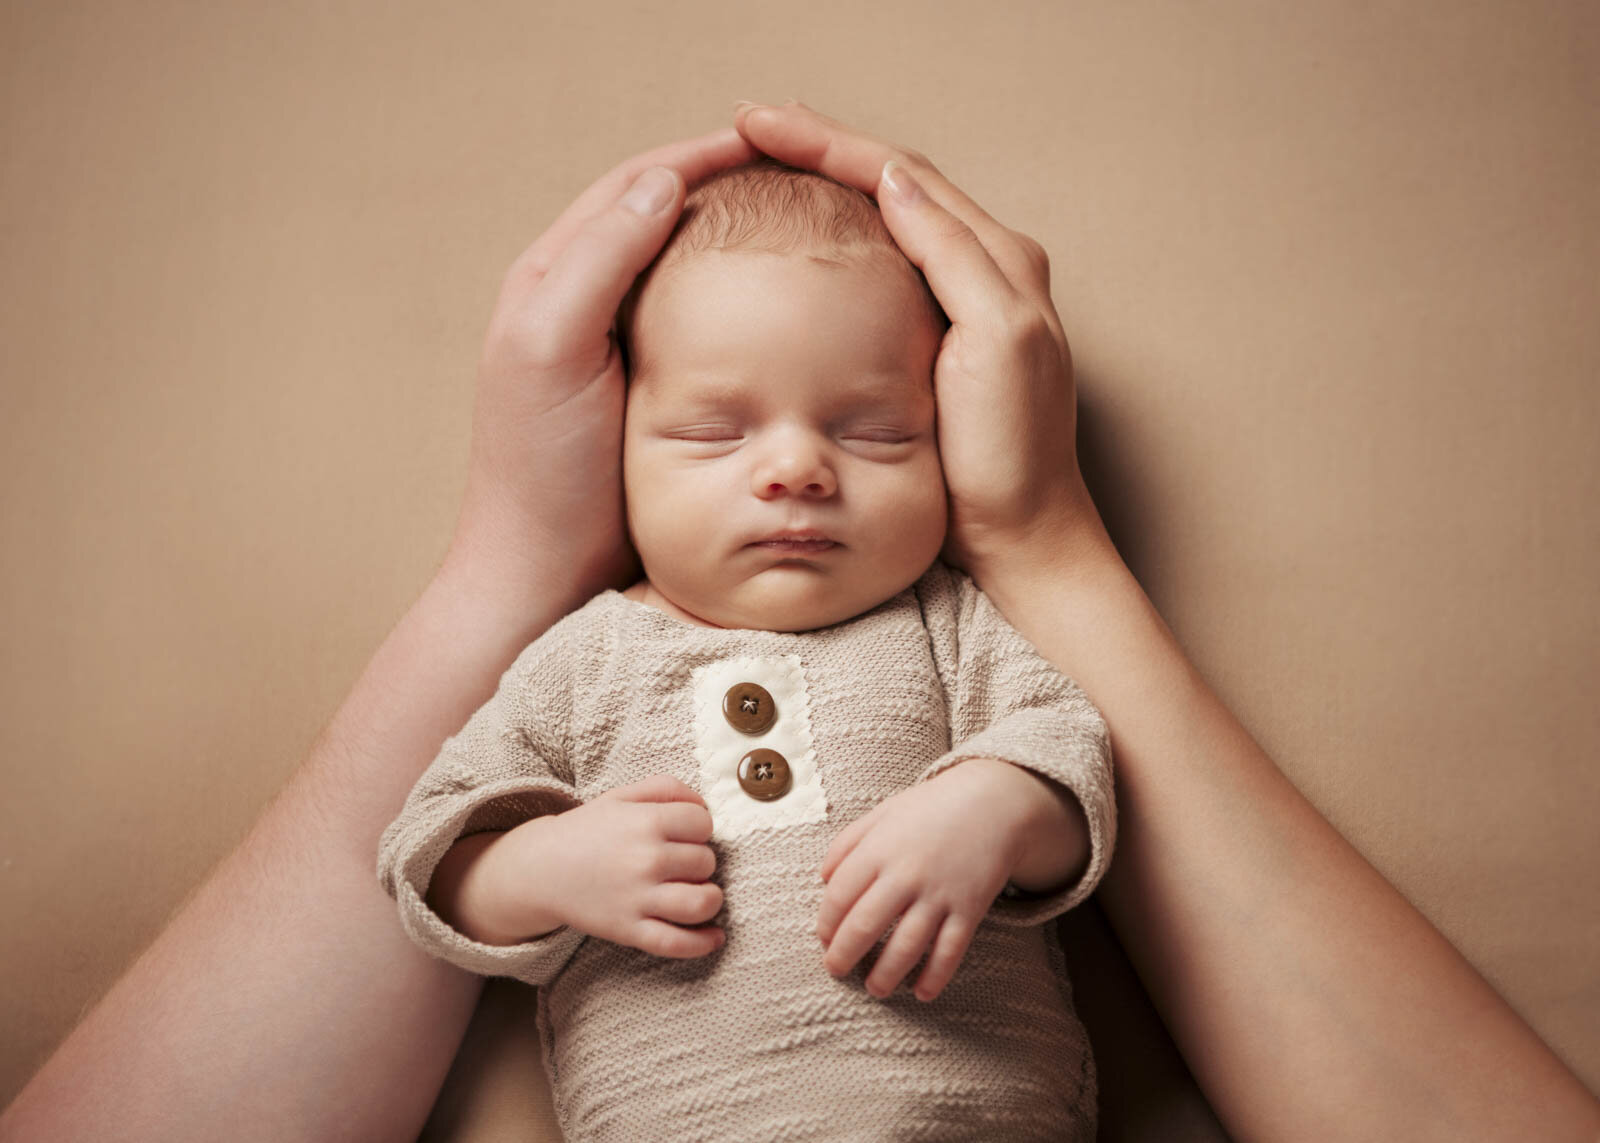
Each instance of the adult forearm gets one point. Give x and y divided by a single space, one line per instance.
1309 998
284 999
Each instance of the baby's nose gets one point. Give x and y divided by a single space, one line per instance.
798 479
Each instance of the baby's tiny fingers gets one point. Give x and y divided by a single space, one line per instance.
659 938
684 902
867 920
849 881
905 947
845 840
955 935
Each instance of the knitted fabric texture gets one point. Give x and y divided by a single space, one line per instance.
757 1040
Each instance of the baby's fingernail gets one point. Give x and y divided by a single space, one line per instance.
741 105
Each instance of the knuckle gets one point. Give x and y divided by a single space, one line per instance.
703 823
1037 254
525 346
1026 325
657 942
682 945
952 229
852 926
659 863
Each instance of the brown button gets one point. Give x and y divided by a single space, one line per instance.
748 707
764 774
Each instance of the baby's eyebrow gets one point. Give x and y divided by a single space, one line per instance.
879 391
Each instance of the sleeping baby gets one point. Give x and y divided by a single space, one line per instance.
638 819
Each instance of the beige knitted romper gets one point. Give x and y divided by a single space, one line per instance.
757 1041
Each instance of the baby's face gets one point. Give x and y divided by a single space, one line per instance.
773 393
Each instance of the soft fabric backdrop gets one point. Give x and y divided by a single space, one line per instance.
1328 275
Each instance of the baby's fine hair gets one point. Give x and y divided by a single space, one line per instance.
771 207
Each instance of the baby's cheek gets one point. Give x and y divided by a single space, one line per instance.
924 507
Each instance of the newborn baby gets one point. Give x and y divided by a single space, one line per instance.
795 655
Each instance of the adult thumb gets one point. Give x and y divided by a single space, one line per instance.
585 284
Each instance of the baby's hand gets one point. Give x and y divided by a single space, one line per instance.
939 853
632 866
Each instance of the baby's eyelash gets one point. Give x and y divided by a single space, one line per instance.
708 434
885 437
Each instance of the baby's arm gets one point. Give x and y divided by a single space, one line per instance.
500 866
469 891
1009 705
632 865
506 769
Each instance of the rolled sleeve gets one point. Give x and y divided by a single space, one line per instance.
1007 702
508 764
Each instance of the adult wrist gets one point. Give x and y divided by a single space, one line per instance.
1057 543
521 598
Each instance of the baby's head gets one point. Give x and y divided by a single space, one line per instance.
780 358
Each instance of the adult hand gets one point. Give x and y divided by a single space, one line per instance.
543 500
1003 378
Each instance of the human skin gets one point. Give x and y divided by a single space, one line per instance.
1309 998
284 1000
777 391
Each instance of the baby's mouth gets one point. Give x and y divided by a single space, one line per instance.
796 545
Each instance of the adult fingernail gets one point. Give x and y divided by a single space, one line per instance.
900 183
650 191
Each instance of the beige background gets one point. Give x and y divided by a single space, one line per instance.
1328 271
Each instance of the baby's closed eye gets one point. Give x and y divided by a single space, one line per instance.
706 433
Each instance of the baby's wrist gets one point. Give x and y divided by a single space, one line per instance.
479 888
513 865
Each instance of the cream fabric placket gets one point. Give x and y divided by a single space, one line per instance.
719 746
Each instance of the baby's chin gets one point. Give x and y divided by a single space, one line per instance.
782 598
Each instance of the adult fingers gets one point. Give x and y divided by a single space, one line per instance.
804 137
560 296
974 291
565 319
694 159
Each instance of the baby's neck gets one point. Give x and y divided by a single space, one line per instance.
645 593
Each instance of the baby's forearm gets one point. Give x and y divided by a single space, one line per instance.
1055 837
478 900
1055 853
